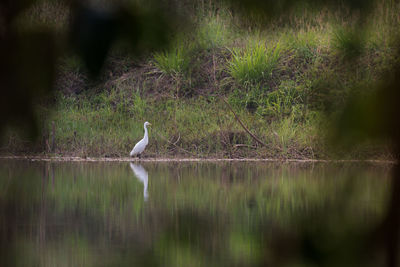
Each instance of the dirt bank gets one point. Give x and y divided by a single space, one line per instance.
127 159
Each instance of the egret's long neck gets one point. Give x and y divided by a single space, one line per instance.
146 136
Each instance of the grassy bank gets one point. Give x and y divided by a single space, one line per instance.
285 83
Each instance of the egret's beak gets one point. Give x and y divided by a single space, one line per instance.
149 123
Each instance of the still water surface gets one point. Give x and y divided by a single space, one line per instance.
189 214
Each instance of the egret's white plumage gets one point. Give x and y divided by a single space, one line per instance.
142 175
141 145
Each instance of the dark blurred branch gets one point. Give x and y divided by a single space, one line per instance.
391 223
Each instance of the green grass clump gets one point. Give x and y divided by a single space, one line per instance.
285 101
348 42
174 62
213 33
304 44
255 64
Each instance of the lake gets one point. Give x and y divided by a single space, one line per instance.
190 213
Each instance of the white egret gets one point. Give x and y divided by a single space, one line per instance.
142 175
141 145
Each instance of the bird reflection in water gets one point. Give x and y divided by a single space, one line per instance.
143 176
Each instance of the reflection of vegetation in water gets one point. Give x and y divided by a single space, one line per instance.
197 214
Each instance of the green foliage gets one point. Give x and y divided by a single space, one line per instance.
174 62
287 99
139 106
104 124
213 33
304 44
255 63
348 42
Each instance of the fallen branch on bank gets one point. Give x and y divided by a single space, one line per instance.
174 144
243 126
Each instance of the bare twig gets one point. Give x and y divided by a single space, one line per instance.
184 150
214 76
243 126
177 140
53 143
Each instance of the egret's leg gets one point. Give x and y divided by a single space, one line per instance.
139 156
